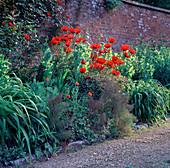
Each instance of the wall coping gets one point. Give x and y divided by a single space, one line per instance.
146 6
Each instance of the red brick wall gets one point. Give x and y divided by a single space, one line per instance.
126 24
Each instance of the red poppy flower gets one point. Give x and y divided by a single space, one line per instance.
101 60
84 40
125 47
85 117
10 24
83 61
82 70
59 2
67 16
64 103
90 123
68 44
103 68
65 28
114 58
36 14
87 77
111 40
47 79
68 96
26 37
68 50
132 51
78 41
91 66
77 84
122 62
15 25
90 94
107 45
48 14
78 30
126 55
72 30
54 41
5 147
95 46
114 72
3 24
110 63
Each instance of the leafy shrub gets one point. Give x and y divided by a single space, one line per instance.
23 116
150 99
149 62
111 4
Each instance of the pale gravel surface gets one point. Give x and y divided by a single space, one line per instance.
150 149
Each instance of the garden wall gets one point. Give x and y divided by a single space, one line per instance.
129 22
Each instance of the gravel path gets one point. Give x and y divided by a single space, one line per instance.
149 149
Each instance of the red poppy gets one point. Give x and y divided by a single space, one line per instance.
126 55
125 47
5 147
78 30
68 44
68 50
15 25
36 14
114 72
83 61
87 77
90 94
95 46
3 24
132 51
85 117
59 2
54 41
77 84
10 24
65 28
91 66
26 37
103 68
67 16
111 40
0 149
110 63
47 79
72 30
64 103
101 60
48 14
82 70
122 62
78 41
90 123
84 40
107 45
114 58
68 96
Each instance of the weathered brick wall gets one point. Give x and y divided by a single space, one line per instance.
126 24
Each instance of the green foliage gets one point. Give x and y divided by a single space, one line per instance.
112 4
23 117
149 62
158 3
10 154
150 99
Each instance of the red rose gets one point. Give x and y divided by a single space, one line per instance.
125 47
111 40
82 70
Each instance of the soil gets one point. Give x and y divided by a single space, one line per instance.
143 149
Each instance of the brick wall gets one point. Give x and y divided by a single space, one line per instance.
129 22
